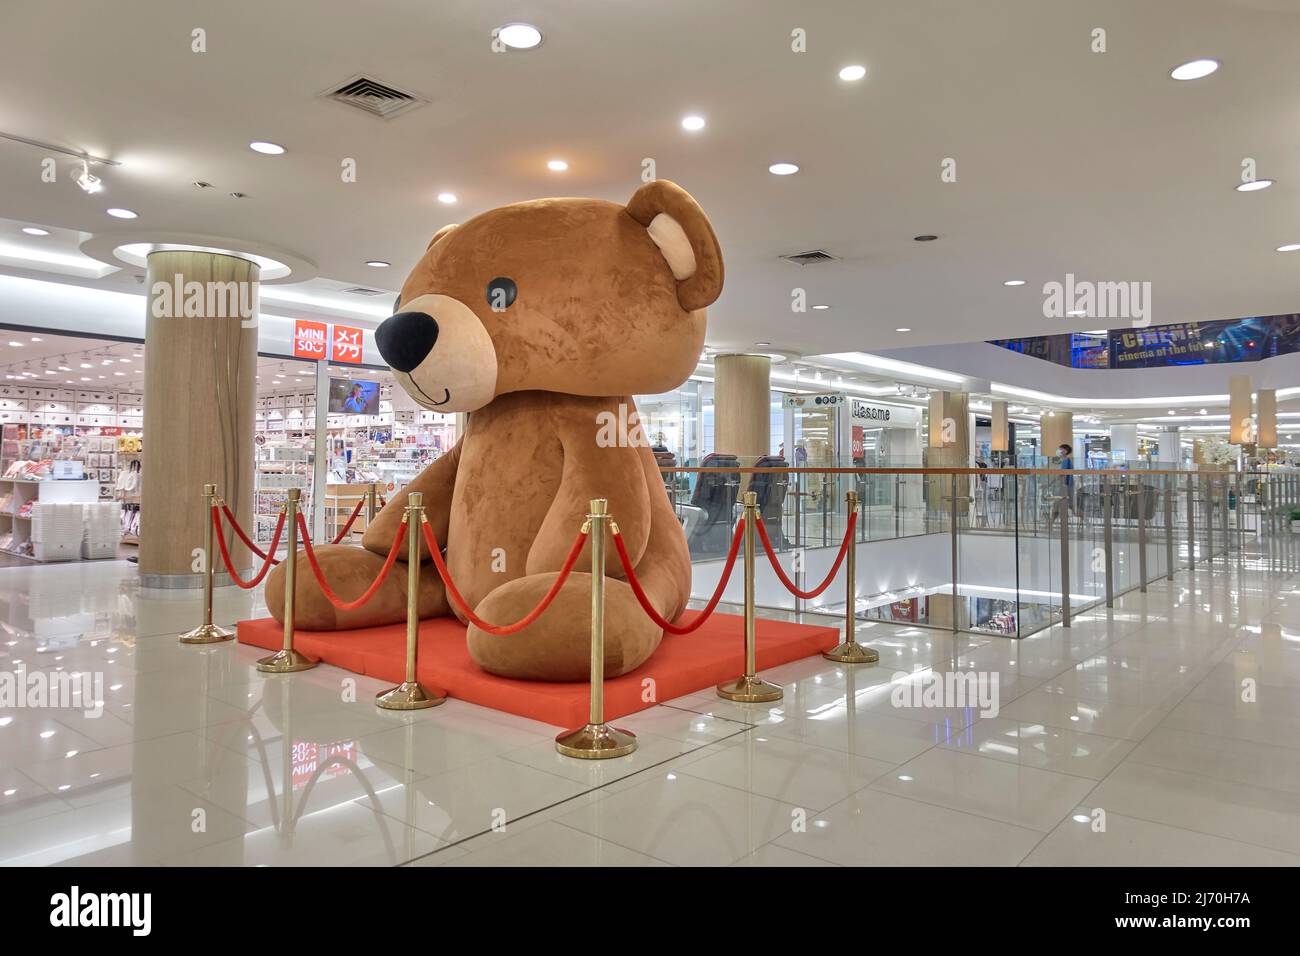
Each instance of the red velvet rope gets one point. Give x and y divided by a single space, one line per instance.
225 552
348 527
248 542
534 614
839 559
708 609
334 599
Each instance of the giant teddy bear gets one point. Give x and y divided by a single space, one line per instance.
540 319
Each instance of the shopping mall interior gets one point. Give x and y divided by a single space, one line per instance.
833 434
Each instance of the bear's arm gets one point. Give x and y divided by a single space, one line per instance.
591 471
436 483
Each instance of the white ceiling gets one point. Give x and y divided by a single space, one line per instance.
1068 161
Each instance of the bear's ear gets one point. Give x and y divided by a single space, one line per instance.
678 226
439 234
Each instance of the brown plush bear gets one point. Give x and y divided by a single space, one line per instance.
541 319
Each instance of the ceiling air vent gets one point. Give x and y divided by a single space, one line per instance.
362 290
366 93
809 258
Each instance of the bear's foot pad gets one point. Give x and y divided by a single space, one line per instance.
681 665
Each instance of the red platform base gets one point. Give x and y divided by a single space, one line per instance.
681 665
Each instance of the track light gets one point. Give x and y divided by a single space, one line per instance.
88 180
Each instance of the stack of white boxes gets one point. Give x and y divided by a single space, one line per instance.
103 530
57 531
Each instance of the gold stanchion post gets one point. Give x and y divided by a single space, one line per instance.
597 740
372 498
851 652
749 688
410 694
287 660
207 632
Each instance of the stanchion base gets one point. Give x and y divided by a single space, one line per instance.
206 634
596 742
750 690
851 652
285 662
409 695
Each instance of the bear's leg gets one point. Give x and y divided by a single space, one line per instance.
349 571
557 646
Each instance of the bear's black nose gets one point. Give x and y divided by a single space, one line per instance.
406 338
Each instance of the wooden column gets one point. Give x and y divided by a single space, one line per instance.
949 442
1240 425
1266 400
742 412
199 407
998 432
1056 429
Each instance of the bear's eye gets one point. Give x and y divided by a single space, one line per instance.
501 293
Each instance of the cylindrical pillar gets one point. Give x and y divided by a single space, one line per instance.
199 407
1171 450
742 415
1056 429
1123 442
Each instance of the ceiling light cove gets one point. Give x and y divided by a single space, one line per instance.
518 36
1254 185
118 213
692 123
851 74
266 149
556 165
1194 69
783 169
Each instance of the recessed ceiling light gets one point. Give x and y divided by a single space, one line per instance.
783 169
557 165
15 345
446 198
266 149
763 345
519 36
127 361
1077 312
1194 69
1254 185
1203 411
119 373
1171 411
35 231
1289 247
1014 282
117 213
378 263
693 123
852 73
36 338
85 378
903 328
86 365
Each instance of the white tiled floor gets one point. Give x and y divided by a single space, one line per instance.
1123 740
